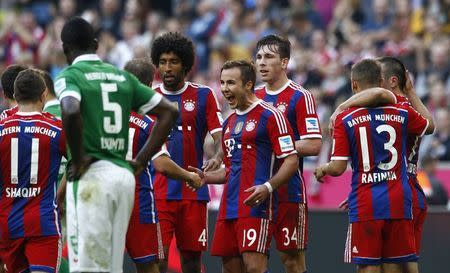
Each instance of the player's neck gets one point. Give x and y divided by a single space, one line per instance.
30 107
175 88
278 83
251 99
397 91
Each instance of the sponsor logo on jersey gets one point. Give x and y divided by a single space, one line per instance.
282 107
286 143
189 105
312 125
238 127
251 125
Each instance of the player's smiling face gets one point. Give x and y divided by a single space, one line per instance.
172 71
234 91
269 63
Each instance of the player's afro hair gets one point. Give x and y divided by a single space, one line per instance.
9 77
177 43
78 34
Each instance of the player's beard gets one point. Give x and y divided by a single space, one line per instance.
174 84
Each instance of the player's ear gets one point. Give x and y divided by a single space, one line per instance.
249 86
393 82
95 44
354 86
284 63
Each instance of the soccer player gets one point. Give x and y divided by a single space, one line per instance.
183 213
397 80
31 146
7 79
96 99
297 105
380 211
253 136
144 242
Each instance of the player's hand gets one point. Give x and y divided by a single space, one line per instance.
259 194
76 170
200 175
320 172
212 164
137 166
409 86
344 204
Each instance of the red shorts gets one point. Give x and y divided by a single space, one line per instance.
380 241
233 237
187 219
33 253
419 216
144 242
291 226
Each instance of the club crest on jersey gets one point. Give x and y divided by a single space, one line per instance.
238 127
282 107
312 125
251 125
189 105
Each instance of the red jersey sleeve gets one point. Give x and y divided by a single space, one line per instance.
341 148
307 119
417 124
280 134
213 115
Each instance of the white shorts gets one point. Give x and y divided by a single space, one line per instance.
98 211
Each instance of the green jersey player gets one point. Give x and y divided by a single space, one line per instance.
96 99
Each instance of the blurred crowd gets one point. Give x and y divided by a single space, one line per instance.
327 37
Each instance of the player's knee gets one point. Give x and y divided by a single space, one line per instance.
292 265
254 267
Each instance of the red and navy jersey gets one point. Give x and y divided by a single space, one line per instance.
378 136
144 199
298 106
199 114
9 112
412 156
251 140
31 146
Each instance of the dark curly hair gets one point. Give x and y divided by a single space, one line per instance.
177 43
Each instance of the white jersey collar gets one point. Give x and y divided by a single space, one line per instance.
166 92
86 57
28 113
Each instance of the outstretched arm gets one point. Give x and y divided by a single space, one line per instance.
166 166
367 98
333 168
166 116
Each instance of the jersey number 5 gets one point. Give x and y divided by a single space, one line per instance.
110 126
387 146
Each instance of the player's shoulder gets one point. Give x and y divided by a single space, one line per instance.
297 88
268 110
199 87
51 119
